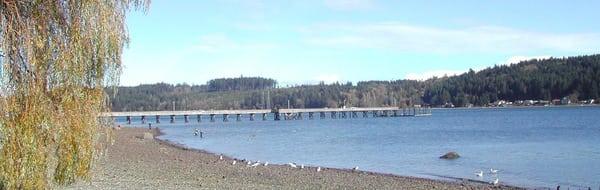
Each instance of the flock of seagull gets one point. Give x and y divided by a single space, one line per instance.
493 172
291 164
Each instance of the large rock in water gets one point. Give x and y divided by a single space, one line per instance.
450 156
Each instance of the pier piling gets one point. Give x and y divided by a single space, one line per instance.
287 114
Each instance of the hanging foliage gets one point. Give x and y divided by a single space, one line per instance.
56 57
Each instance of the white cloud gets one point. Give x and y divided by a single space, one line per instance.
431 74
349 4
215 43
517 59
219 43
413 38
211 56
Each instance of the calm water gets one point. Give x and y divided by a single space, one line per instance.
532 147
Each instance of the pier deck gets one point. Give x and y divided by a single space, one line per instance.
278 114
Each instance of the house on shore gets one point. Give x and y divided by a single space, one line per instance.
565 101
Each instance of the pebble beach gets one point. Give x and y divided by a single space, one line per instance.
137 162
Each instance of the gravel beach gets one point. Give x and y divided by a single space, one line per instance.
134 162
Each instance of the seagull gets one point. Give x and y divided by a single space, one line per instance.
292 165
479 174
255 164
221 157
495 182
318 169
493 171
248 162
266 163
355 168
233 163
301 166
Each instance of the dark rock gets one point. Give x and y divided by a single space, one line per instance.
450 156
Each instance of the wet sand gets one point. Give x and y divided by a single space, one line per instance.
133 162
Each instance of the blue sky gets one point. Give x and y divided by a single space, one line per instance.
299 42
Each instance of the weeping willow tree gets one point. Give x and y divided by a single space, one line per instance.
56 56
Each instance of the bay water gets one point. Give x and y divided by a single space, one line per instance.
531 147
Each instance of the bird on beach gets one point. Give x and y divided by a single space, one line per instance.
301 166
493 171
221 157
318 169
293 165
495 182
355 168
255 164
233 163
266 163
479 174
248 162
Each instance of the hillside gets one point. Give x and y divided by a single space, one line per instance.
575 77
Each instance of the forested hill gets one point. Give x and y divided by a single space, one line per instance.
162 96
185 97
242 83
574 77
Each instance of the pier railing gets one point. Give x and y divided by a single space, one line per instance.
278 114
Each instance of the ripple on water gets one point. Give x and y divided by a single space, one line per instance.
538 147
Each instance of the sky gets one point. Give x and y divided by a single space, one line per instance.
307 41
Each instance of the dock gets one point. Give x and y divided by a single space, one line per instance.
277 114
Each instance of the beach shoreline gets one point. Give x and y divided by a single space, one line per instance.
134 162
225 157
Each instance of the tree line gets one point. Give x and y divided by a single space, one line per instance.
575 77
242 83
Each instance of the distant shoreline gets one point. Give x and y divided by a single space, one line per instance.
520 107
137 163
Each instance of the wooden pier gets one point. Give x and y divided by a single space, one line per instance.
278 114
